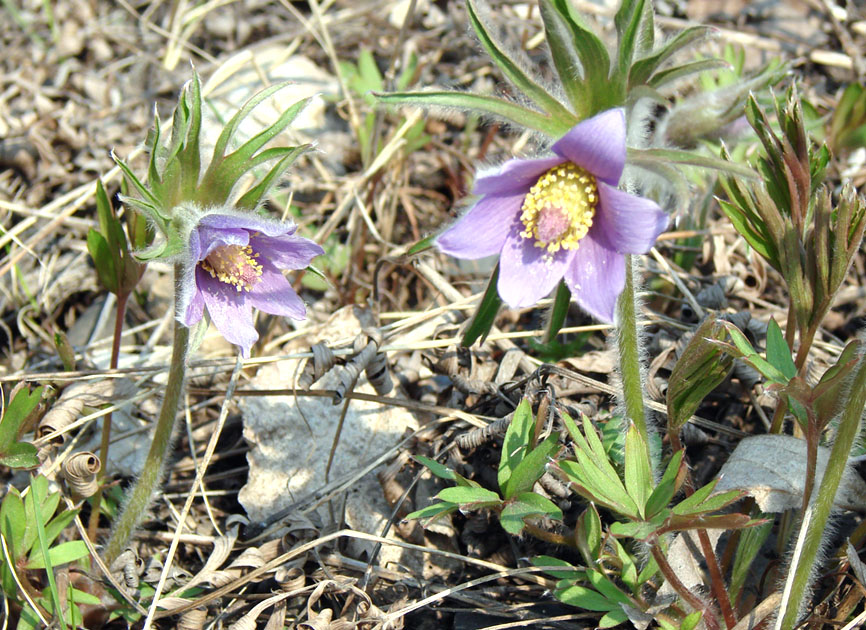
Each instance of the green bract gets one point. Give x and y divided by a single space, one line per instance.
178 177
589 77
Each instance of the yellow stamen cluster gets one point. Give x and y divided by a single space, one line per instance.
235 265
558 210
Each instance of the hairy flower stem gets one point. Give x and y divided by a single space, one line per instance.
120 314
816 516
139 497
628 345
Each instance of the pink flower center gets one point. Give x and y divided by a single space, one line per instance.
558 210
235 265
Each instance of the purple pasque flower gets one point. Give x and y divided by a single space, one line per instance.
234 263
561 217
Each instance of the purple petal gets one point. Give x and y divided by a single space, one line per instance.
229 311
210 238
514 176
482 230
597 144
527 273
596 277
247 221
286 252
192 311
627 223
273 294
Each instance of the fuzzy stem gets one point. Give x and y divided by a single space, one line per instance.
815 518
628 345
140 495
717 582
93 523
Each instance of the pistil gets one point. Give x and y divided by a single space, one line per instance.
235 265
558 210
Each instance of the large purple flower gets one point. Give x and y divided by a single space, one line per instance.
234 264
561 217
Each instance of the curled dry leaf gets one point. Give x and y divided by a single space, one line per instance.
772 469
80 472
248 621
127 568
222 547
79 395
193 619
250 558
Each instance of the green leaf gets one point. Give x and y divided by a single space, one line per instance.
593 471
635 33
423 245
518 440
485 314
569 572
13 523
232 126
63 553
65 351
469 497
525 505
588 535
440 470
22 405
638 474
81 597
498 108
743 349
224 172
690 158
255 195
639 530
516 75
585 598
701 501
778 352
100 252
750 543
642 69
606 587
594 59
614 618
828 393
558 312
432 512
744 225
369 77
667 487
57 524
566 58
20 455
691 621
669 75
532 467
600 488
702 366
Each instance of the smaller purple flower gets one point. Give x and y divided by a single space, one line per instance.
561 217
234 263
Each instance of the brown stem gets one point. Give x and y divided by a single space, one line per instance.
709 616
120 314
807 337
717 582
